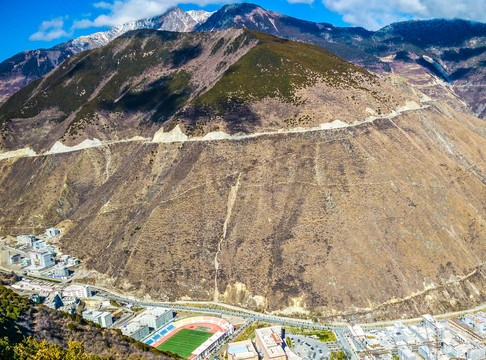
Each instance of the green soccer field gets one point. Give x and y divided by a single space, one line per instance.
184 342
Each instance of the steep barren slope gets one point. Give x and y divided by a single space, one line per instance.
334 221
380 213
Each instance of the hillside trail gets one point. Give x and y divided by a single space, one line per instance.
215 136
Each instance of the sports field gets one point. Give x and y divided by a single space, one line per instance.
184 342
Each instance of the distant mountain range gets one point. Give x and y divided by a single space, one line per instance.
24 67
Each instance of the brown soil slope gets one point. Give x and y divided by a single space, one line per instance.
336 221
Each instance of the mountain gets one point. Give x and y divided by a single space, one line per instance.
27 66
445 67
200 81
236 166
454 72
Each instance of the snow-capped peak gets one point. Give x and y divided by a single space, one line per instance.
175 19
200 16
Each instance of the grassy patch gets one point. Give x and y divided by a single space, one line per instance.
322 335
340 355
184 342
275 67
249 333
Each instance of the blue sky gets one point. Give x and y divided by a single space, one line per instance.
21 22
42 24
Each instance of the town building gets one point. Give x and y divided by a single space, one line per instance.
39 245
26 239
401 334
465 330
53 301
68 300
104 319
41 259
425 352
404 353
476 353
242 350
156 317
270 343
203 350
61 271
35 286
78 291
51 232
475 321
135 330
14 259
434 326
358 336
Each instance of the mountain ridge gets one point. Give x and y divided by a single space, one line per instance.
399 43
22 68
181 79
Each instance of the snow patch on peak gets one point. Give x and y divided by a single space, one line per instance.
200 16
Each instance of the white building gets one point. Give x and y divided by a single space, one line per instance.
404 353
78 291
61 271
51 232
270 343
39 245
34 286
53 301
41 259
242 350
358 336
425 352
156 317
475 321
135 330
14 259
476 353
104 319
434 327
26 239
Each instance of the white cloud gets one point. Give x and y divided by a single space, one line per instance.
373 14
123 11
300 1
50 30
